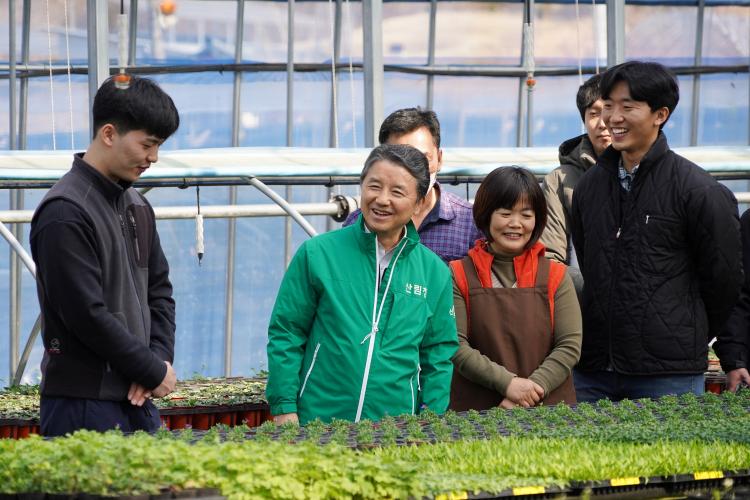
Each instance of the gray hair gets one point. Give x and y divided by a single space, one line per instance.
403 155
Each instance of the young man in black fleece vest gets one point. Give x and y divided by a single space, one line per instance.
102 278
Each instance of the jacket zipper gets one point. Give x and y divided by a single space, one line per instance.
135 236
376 312
128 251
309 370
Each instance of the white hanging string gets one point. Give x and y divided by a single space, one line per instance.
70 84
351 73
51 84
334 99
578 45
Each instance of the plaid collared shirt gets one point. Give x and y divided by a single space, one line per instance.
448 230
626 179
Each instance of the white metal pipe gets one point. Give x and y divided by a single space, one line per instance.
208 212
18 248
274 196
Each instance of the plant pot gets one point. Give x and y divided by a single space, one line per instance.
203 421
24 431
8 431
226 418
179 421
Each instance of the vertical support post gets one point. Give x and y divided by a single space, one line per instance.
615 32
23 101
530 90
332 139
98 46
522 114
431 54
239 37
694 115
289 121
12 130
333 129
133 35
372 21
16 203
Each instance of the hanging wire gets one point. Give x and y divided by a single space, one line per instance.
70 84
334 103
51 84
351 73
199 246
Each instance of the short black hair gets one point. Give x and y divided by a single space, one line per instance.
412 159
588 94
648 82
503 188
407 120
141 106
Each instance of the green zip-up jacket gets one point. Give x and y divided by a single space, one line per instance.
325 359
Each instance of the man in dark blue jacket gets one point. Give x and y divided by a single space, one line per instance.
102 278
658 243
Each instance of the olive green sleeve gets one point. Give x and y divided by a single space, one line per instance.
471 363
566 349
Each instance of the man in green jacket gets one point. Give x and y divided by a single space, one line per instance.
363 324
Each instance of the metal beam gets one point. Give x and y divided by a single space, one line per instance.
214 211
333 140
431 53
615 32
694 114
290 74
98 47
372 21
12 76
289 119
239 37
23 104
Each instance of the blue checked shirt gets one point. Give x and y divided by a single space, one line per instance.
626 179
448 230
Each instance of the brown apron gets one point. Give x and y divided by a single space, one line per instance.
513 328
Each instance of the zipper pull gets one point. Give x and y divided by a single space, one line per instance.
135 235
371 334
647 216
619 230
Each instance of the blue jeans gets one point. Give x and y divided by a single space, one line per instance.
592 386
60 416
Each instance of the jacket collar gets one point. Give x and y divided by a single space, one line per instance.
366 238
109 189
610 159
577 151
525 265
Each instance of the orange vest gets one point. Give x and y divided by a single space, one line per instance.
525 266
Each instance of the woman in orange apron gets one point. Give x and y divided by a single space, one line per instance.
517 314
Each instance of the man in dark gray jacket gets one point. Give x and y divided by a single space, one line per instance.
658 243
102 278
